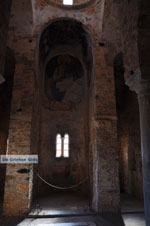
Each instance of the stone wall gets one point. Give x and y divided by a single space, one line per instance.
120 35
129 121
104 161
110 28
6 58
128 133
130 147
129 14
67 113
17 185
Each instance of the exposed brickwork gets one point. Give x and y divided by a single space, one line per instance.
20 127
16 199
108 28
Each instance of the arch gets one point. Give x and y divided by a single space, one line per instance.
70 23
74 40
64 119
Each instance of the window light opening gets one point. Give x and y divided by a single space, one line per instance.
67 2
66 146
58 146
62 146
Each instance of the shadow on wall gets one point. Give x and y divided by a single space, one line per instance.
5 106
128 134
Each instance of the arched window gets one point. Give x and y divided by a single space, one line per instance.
62 146
58 146
66 146
67 2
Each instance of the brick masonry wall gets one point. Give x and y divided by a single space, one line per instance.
68 116
120 33
129 24
20 127
128 127
17 186
109 37
104 113
130 147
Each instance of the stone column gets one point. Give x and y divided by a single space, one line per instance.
142 88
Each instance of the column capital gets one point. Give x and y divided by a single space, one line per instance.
138 84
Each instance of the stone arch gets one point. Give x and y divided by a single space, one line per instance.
79 46
71 45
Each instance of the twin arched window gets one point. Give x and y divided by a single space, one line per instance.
62 146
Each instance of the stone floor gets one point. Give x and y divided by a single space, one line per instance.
108 220
132 211
68 221
135 219
58 204
130 204
73 210
129 220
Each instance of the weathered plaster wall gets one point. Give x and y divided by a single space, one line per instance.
59 3
68 114
87 16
